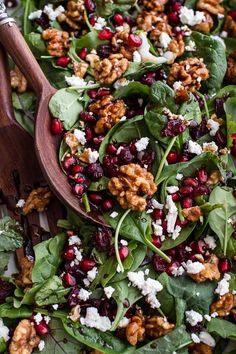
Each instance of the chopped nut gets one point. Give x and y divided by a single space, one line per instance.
109 112
72 141
120 44
80 69
200 348
177 45
74 14
24 278
158 326
214 178
190 72
58 41
135 330
210 272
206 25
106 71
74 314
146 20
161 26
154 5
24 338
212 6
38 199
131 186
231 67
92 59
18 81
225 305
230 26
192 214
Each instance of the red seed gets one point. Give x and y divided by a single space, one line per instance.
157 214
181 223
134 41
111 149
202 175
172 157
89 5
190 182
79 179
186 190
105 34
224 265
198 246
78 189
232 13
88 133
107 204
171 252
41 328
56 126
123 252
103 92
63 61
233 150
69 280
87 117
175 197
118 19
69 253
176 7
77 169
186 202
92 20
184 158
87 264
156 241
173 17
159 264
92 93
68 162
83 53
95 198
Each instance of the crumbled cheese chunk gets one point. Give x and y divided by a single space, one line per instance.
91 275
121 83
74 240
171 217
38 318
191 47
177 85
137 57
164 39
207 339
124 322
176 232
193 267
100 23
194 148
84 294
176 272
142 144
187 16
224 34
213 126
123 242
20 203
156 204
120 148
78 254
193 317
75 81
223 285
94 320
157 229
210 147
210 241
172 189
109 290
214 314
55 307
4 331
35 15
114 214
41 345
47 319
53 14
80 135
195 338
92 155
207 317
179 176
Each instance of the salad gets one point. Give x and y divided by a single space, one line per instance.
146 112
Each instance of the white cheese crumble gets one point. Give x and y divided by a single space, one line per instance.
55 307
210 241
213 126
193 267
41 345
114 214
177 272
157 229
207 339
142 144
214 314
38 318
4 331
176 232
124 322
47 319
53 14
123 242
109 290
120 148
195 338
144 51
94 320
179 176
121 83
20 203
172 189
77 81
78 254
35 15
80 135
74 240
187 16
171 217
194 148
177 85
137 57
84 294
164 39
193 317
92 155
100 23
156 204
91 275
210 147
223 285
224 34
191 47
207 317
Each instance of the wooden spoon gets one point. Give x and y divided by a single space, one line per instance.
46 145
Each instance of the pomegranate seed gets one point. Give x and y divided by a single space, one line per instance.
78 189
123 252
148 78
184 158
103 92
157 214
198 246
103 239
107 204
87 117
94 171
89 5
233 136
201 190
186 190
92 20
111 149
202 175
63 61
131 22
176 7
118 19
159 264
95 198
172 266
79 178
76 169
233 150
56 126
171 252
186 202
83 53
173 17
105 34
97 140
172 157
68 162
69 253
175 196
92 93
190 182
232 14
87 264
41 328
69 280
88 133
224 265
156 241
134 41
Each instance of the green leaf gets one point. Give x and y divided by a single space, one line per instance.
106 9
230 110
36 44
47 258
184 234
222 328
29 6
100 185
89 41
51 292
4 259
191 110
10 234
54 75
7 310
163 95
132 88
65 105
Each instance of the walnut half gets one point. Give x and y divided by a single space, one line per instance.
157 326
224 305
24 338
135 330
210 271
38 199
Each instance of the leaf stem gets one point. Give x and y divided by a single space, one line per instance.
205 104
26 13
86 203
117 239
157 250
163 160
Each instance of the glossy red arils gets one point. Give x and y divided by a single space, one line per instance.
123 252
63 61
173 17
69 253
68 280
232 13
111 149
68 162
92 20
56 126
89 5
87 264
41 328
202 175
92 93
182 223
186 190
78 189
172 157
95 198
76 169
118 19
87 117
176 7
156 241
157 214
107 204
134 41
83 53
224 265
201 190
105 34
175 196
186 202
148 78
171 252
198 246
188 181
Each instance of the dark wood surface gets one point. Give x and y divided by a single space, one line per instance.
46 145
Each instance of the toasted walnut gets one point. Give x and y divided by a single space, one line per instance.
230 26
177 45
190 72
120 44
146 20
74 14
58 41
106 71
200 348
158 326
24 338
192 214
109 112
161 26
154 5
92 59
135 330
210 271
225 305
212 6
74 314
206 25
38 199
80 69
133 183
24 278
18 81
72 141
214 178
231 67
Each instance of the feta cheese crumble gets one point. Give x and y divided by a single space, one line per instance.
55 307
194 148
213 126
164 39
74 240
84 294
100 23
172 189
171 217
109 290
51 13
195 338
223 285
41 345
177 272
137 57
114 214
4 331
124 322
38 318
94 320
92 155
210 241
80 135
77 81
142 144
91 275
193 267
193 317
188 17
121 83
20 203
35 15
207 317
207 339
177 85
144 51
179 176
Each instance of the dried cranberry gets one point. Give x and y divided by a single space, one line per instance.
92 93
190 182
56 126
83 53
68 280
224 265
220 138
198 131
68 162
186 202
194 329
148 78
202 175
159 264
95 198
147 158
102 239
181 253
118 19
43 21
87 264
89 133
89 5
186 190
171 253
69 253
233 150
157 214
87 117
107 204
111 149
41 328
6 289
173 127
105 34
125 157
123 252
104 50
112 170
172 157
73 298
94 171
130 21
156 241
134 41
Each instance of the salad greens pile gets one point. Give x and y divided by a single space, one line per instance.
146 112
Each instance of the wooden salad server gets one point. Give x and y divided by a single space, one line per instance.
46 145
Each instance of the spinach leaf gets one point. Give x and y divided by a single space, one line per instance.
24 121
230 110
55 77
131 88
65 105
163 96
218 218
47 258
213 54
167 300
89 41
51 292
190 109
100 185
222 328
106 140
7 310
184 234
105 9
29 6
4 259
36 44
10 234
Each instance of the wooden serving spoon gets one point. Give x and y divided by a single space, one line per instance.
46 145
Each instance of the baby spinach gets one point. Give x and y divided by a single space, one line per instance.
10 234
7 310
55 77
222 328
132 88
163 96
51 292
184 234
105 9
89 41
230 110
36 44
